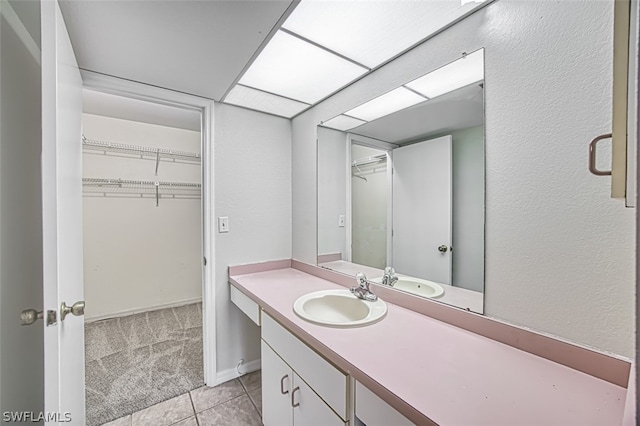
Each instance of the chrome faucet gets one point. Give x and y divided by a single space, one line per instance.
389 278
362 289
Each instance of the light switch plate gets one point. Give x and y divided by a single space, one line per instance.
223 224
341 221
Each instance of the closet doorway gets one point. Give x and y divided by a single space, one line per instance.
143 253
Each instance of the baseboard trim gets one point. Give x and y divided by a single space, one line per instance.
233 373
132 311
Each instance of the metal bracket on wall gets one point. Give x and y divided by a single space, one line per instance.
592 156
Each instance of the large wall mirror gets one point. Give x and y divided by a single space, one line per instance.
401 184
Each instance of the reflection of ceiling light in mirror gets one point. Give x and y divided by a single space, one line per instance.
371 32
291 67
453 76
388 103
262 101
342 122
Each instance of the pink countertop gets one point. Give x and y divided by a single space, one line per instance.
433 371
456 296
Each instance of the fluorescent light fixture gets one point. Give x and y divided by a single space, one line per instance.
450 77
463 2
371 32
395 100
342 122
293 68
262 101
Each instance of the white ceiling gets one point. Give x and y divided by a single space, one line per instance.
107 105
196 47
324 45
460 109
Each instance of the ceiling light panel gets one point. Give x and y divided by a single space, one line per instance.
452 76
388 103
262 101
371 32
291 67
342 122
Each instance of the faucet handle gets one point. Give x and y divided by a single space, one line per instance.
361 279
389 270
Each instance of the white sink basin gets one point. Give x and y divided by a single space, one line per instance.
338 308
416 286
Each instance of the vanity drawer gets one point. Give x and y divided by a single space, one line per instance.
246 305
373 411
327 381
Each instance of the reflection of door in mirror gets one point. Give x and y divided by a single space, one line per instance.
369 200
422 185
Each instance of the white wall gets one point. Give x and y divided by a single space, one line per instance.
252 166
21 348
468 208
138 256
369 201
332 190
559 252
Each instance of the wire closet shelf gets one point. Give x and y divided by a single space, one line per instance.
142 152
140 189
375 159
367 161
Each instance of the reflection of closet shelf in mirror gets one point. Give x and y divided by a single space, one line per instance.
142 152
367 161
381 158
95 187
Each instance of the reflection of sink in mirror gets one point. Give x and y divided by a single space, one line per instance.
461 297
403 185
416 286
338 308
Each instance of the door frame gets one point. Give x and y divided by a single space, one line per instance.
132 89
354 139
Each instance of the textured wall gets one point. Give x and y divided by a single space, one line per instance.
559 252
252 166
138 256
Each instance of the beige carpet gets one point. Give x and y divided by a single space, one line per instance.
137 361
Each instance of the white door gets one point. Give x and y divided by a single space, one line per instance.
277 379
422 210
62 216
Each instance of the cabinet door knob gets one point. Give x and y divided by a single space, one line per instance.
293 394
282 391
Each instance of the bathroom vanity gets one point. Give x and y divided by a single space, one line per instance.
410 368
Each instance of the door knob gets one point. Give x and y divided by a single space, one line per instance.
76 309
30 316
443 249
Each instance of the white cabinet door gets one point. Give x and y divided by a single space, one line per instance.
277 379
309 409
373 411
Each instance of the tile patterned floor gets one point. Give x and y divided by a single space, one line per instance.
234 403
